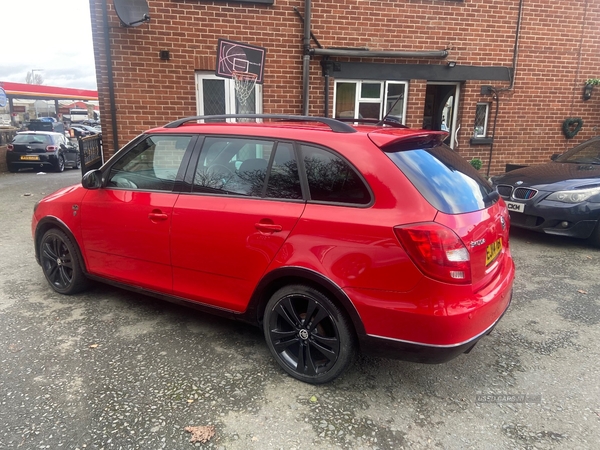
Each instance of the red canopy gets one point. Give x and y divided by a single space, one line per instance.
42 92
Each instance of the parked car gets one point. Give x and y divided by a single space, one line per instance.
332 237
89 129
560 197
91 123
43 150
45 124
80 130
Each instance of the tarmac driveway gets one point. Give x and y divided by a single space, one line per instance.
109 369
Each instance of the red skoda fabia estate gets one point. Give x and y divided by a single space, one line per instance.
332 237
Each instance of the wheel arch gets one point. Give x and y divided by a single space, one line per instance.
299 275
48 223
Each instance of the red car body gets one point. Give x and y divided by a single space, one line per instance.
377 261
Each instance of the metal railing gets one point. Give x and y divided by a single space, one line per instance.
90 151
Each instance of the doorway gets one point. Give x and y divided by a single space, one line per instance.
441 109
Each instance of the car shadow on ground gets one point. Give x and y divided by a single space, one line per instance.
549 240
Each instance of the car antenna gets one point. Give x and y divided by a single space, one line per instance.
382 121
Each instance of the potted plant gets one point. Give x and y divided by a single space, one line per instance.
589 87
476 163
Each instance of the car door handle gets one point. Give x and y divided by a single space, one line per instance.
157 216
268 227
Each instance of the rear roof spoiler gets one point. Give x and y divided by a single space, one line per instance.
421 139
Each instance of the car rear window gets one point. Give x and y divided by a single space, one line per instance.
32 139
446 180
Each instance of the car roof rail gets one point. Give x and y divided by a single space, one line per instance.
334 124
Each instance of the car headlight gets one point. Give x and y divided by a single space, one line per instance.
574 196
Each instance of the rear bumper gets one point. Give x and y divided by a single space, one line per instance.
45 160
418 352
433 322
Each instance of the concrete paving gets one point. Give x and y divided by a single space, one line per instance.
109 369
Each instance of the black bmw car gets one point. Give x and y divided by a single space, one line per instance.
561 197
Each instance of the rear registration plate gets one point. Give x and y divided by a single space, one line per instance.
517 207
492 251
30 158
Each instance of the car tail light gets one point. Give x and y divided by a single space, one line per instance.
51 148
437 251
10 147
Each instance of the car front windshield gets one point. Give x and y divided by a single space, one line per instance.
586 153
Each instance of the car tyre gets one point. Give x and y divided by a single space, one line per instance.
309 336
77 162
60 163
61 264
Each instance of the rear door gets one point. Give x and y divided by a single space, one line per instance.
245 201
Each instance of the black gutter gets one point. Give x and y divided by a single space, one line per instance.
378 54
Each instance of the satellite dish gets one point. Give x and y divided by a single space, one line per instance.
132 12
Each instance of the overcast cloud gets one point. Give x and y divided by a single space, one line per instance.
52 35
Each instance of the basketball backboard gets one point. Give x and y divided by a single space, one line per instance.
239 57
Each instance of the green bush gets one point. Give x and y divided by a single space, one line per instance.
477 163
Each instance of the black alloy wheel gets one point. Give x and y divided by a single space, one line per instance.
60 163
60 263
308 334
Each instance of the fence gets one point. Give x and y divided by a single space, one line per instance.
90 150
6 135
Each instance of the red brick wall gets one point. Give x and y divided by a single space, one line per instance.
559 49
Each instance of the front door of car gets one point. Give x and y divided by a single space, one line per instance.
126 224
246 200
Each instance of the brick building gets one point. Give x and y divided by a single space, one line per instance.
501 75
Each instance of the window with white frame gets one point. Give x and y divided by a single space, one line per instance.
481 120
216 95
370 99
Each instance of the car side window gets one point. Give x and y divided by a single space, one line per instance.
284 181
152 164
233 166
332 179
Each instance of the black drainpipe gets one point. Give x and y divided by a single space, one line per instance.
306 58
111 89
327 68
495 92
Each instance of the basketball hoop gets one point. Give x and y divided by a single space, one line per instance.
244 84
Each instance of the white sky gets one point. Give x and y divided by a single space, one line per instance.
52 35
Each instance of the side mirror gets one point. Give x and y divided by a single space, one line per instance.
92 179
554 156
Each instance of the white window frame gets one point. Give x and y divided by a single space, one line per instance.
404 102
485 123
382 100
230 100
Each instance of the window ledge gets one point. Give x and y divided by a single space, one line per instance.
481 141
